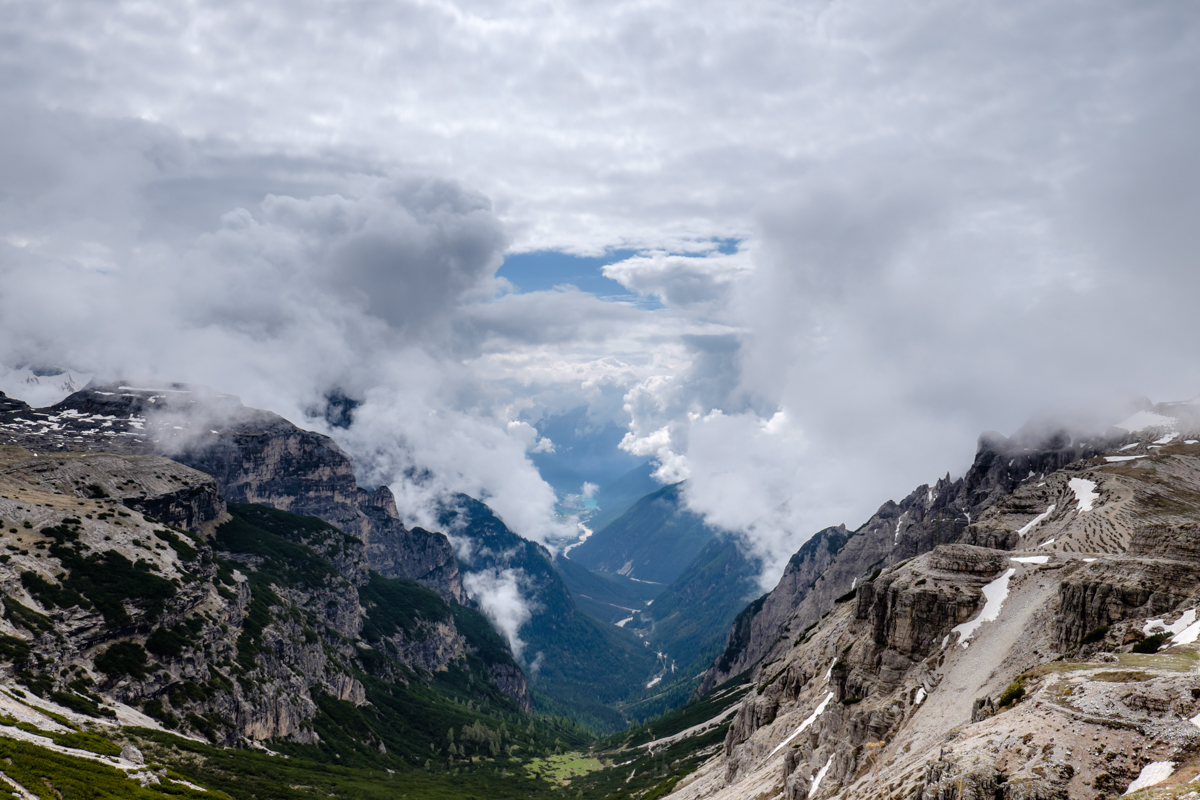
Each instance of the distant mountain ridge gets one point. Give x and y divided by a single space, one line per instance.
654 540
576 662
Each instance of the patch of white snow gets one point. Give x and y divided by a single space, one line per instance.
1129 446
1188 635
995 593
809 720
623 622
1166 439
1177 627
816 784
1085 492
1111 459
1152 774
1033 523
920 696
1147 419
1031 559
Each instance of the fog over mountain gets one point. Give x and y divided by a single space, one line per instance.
840 239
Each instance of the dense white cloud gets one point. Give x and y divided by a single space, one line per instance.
947 217
501 595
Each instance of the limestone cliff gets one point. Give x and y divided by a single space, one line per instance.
255 457
1045 649
233 621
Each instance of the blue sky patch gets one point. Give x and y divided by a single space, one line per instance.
545 269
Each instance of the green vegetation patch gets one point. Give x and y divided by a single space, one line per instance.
14 650
170 642
561 769
19 614
285 543
78 740
1121 676
1150 644
1013 694
249 642
52 776
121 659
109 580
182 549
51 595
398 605
1174 659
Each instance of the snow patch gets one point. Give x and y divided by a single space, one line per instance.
995 593
816 784
809 720
1188 635
1152 773
1046 543
1085 492
1166 439
920 698
829 671
1111 459
622 623
1031 559
1129 446
1147 419
1033 523
1176 628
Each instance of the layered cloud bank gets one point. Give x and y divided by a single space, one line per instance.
864 232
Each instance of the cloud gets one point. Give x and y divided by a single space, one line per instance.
527 434
945 220
681 281
500 595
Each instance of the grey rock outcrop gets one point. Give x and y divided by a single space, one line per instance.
255 457
834 561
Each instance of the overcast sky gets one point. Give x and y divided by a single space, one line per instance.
851 235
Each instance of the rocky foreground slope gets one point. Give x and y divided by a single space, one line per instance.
1029 631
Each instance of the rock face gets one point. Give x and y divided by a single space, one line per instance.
834 561
255 457
1007 656
247 624
241 630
